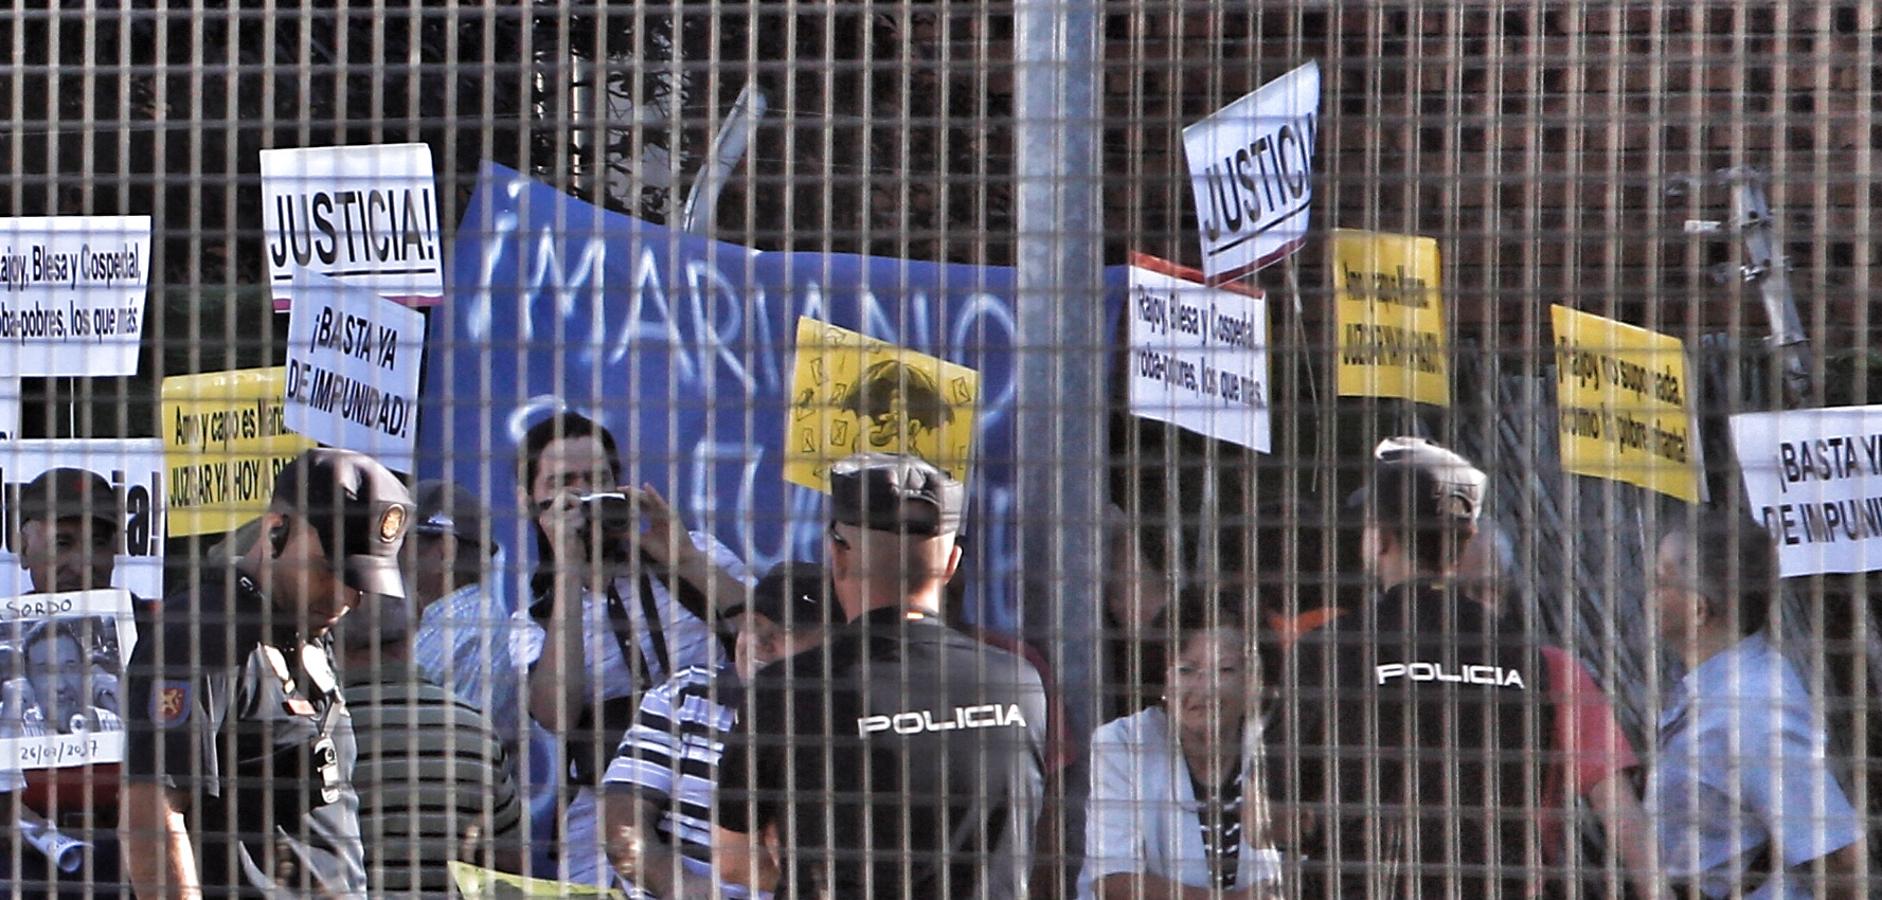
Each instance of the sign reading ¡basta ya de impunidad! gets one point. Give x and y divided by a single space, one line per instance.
1814 478
353 363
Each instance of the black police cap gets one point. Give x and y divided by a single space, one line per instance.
358 507
895 492
446 508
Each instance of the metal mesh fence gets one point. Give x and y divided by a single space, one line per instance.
615 293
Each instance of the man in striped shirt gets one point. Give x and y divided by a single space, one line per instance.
433 778
657 810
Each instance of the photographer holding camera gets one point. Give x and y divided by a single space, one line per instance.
623 598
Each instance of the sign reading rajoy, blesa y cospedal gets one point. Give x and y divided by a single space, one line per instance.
1198 355
72 294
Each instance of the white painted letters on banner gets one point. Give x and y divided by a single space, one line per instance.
353 363
72 294
367 216
1198 355
1814 477
1251 170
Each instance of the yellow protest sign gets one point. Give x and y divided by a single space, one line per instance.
224 438
1389 311
852 393
1625 404
477 883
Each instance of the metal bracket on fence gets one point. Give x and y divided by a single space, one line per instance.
1765 267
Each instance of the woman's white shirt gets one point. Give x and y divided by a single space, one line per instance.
1143 816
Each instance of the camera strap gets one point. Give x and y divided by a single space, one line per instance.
621 623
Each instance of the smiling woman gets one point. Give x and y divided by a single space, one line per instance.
1177 804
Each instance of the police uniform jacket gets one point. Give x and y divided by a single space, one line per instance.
227 704
901 759
1416 723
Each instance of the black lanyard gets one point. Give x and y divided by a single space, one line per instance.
622 625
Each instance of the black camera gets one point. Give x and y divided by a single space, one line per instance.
610 511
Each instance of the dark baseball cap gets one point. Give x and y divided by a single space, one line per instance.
445 508
1420 483
67 493
359 509
895 492
792 594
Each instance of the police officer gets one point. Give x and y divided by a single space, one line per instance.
914 767
1412 737
240 748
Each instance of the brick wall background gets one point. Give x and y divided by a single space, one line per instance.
1536 140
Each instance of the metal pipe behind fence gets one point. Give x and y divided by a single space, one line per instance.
1060 444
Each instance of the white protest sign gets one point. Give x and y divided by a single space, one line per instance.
367 216
72 294
353 361
56 475
9 408
1199 356
1814 477
60 703
1251 169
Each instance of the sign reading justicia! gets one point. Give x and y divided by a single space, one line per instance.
365 216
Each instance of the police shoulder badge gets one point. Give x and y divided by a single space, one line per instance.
170 703
391 522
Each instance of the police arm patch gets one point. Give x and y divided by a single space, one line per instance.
170 703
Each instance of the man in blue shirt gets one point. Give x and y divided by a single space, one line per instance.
465 630
623 598
1743 796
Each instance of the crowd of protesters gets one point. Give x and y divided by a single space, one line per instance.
347 698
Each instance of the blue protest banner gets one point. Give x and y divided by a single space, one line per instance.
683 347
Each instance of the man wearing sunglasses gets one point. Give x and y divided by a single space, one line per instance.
240 751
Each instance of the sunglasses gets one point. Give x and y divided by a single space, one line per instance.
837 538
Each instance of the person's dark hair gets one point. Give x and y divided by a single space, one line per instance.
53 628
1733 563
564 424
875 393
1196 610
1431 548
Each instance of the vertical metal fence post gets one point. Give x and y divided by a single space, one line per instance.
1060 409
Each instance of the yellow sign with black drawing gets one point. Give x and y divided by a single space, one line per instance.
1626 405
852 393
225 437
1389 307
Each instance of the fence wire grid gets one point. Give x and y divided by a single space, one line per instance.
908 449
